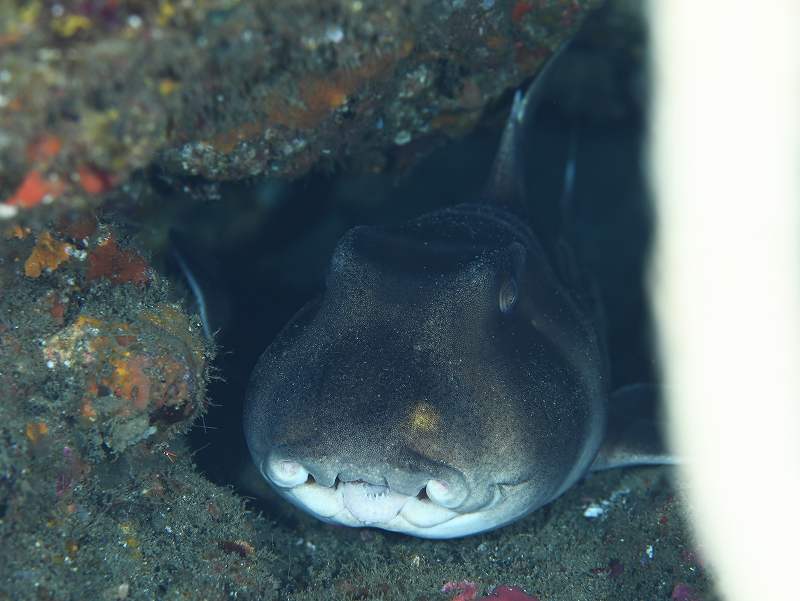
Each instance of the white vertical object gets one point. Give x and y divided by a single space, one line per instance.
725 166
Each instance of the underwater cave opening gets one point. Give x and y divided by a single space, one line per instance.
260 248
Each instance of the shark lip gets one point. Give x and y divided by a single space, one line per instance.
362 503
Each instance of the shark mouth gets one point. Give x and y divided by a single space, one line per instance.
359 503
370 503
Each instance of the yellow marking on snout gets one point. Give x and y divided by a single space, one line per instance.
424 417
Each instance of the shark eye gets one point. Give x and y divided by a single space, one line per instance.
508 295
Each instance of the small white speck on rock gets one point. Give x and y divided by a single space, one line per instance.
334 34
403 137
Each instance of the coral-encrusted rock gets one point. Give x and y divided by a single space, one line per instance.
90 92
142 376
91 347
99 372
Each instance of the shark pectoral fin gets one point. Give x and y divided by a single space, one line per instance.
640 443
635 432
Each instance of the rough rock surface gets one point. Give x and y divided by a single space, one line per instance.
92 91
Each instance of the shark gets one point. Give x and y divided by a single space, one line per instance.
452 377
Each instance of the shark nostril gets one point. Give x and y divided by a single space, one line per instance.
286 473
442 494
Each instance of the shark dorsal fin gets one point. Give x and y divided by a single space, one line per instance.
505 186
